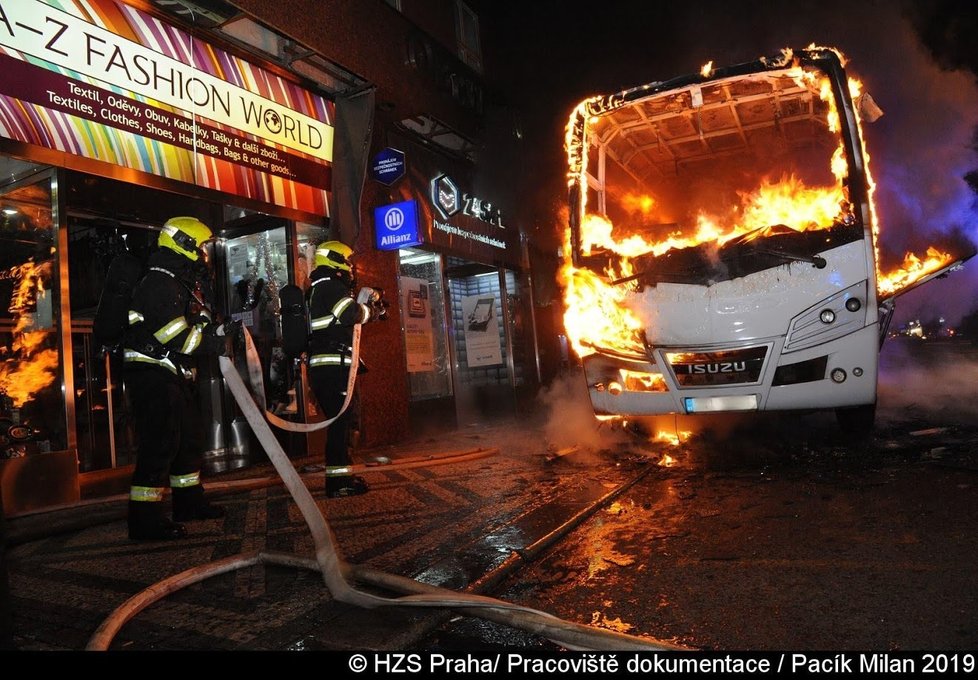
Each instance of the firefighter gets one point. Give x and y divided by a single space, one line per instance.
333 313
170 323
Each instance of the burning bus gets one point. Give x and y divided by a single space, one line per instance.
722 244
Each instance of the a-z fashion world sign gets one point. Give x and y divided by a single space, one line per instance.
103 80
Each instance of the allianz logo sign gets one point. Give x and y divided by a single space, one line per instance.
394 219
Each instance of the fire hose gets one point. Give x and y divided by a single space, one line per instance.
340 576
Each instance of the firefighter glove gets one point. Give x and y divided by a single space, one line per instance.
367 295
229 328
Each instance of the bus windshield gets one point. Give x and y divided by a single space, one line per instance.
711 181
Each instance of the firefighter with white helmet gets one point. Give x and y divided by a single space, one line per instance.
170 323
333 313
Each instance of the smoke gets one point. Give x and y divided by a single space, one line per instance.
927 381
920 149
570 419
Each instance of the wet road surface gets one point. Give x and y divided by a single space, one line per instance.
769 532
779 532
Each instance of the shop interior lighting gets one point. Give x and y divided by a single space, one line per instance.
416 257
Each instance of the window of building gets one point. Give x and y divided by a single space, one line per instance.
467 33
425 328
31 404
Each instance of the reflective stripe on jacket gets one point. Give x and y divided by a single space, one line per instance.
161 333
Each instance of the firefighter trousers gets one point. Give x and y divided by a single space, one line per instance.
329 385
169 431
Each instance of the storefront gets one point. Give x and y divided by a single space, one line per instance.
112 120
463 284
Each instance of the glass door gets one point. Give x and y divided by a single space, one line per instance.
426 345
254 263
480 341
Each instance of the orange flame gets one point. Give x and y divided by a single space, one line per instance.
600 309
913 269
673 438
27 368
597 313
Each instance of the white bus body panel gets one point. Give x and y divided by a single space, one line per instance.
773 312
759 305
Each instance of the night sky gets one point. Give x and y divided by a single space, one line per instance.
918 60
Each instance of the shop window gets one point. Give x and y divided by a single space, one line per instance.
478 324
32 414
423 319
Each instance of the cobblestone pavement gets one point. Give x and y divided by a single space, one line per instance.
446 524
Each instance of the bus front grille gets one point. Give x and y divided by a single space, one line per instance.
709 369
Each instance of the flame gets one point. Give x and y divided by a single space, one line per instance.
673 438
913 269
599 310
643 204
597 313
790 202
707 69
667 461
27 368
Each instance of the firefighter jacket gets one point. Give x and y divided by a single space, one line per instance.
168 322
333 312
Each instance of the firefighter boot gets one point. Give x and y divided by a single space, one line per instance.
347 485
189 504
148 522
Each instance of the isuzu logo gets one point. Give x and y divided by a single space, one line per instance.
715 367
722 367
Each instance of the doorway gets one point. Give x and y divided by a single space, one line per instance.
481 341
253 262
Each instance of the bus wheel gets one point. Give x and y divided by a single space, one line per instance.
857 420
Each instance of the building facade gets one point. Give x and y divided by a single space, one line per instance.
279 124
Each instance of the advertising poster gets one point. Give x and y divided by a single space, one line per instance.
103 80
419 337
481 318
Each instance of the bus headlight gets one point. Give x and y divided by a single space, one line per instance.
838 375
829 319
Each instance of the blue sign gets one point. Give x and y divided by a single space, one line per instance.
396 226
388 166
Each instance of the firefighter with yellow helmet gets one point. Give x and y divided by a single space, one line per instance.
170 323
333 313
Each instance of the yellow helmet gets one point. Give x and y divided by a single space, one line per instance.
334 254
185 235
